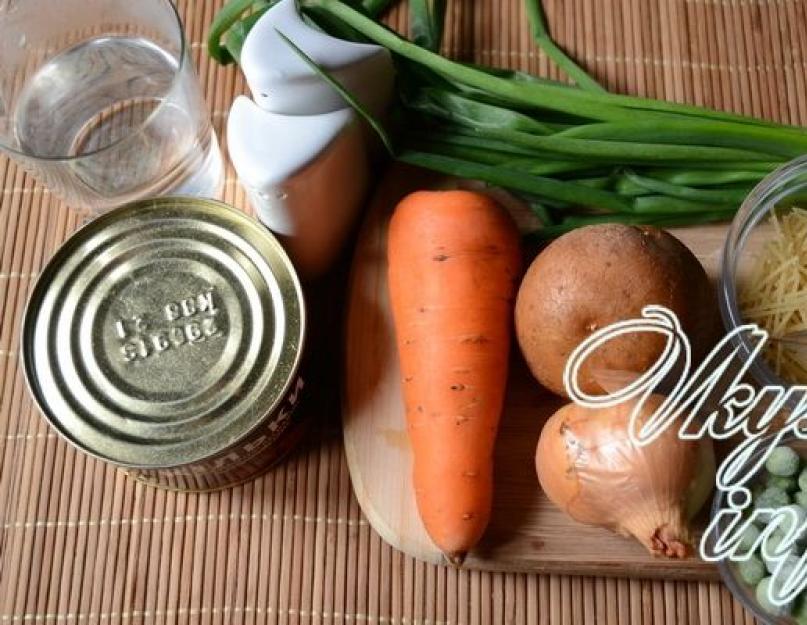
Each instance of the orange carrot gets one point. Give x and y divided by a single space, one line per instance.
454 261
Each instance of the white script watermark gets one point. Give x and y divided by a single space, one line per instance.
737 409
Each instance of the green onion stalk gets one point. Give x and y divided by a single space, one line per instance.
577 154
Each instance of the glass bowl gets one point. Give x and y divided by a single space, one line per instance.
743 592
745 239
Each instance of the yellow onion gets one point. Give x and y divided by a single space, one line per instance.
589 467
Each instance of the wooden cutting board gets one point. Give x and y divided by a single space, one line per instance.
526 532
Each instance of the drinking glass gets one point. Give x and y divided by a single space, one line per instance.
99 101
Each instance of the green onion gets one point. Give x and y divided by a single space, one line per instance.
535 14
374 8
462 152
603 106
661 204
460 138
460 109
725 195
346 95
514 74
426 19
519 181
234 40
575 153
596 182
225 19
668 220
773 141
620 151
708 178
544 168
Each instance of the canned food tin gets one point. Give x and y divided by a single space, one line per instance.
166 337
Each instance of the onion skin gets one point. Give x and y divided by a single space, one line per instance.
588 467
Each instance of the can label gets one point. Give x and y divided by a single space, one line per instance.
266 445
267 434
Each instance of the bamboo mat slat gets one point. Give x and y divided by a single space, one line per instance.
81 544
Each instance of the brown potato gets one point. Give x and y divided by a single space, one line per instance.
598 275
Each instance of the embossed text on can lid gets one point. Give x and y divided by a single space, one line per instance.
163 332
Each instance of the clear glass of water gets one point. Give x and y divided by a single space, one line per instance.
99 101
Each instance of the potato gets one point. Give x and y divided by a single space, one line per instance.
598 275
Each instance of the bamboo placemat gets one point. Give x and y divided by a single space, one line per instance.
79 543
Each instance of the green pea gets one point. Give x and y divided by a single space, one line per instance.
765 603
771 545
771 497
749 537
783 461
797 511
752 570
791 554
788 484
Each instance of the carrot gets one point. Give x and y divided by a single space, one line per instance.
454 261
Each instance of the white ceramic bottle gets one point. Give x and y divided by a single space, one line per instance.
306 177
282 82
298 151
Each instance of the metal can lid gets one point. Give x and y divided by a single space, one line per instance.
163 332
